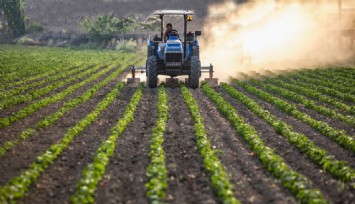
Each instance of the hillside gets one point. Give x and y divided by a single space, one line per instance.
66 15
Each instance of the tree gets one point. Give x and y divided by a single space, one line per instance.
104 27
152 23
13 11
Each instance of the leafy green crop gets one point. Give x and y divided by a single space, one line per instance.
12 101
22 65
327 87
156 171
313 92
18 186
318 155
93 173
304 101
338 136
218 176
6 121
299 185
50 119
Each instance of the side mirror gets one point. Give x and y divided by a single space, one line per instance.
198 33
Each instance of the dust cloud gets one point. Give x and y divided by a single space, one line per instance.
268 35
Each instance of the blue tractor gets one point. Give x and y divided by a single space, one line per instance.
174 57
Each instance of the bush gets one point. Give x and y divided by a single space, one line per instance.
104 27
34 27
128 46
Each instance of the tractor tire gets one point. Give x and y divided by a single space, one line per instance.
195 72
152 78
146 68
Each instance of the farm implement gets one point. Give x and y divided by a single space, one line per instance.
173 57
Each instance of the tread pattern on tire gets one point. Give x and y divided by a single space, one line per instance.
152 72
194 78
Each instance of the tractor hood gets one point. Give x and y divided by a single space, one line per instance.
173 45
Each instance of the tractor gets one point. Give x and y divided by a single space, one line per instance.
173 57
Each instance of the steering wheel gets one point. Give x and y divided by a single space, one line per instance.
174 33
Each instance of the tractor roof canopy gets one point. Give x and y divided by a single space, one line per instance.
173 12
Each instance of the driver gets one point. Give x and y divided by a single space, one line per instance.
169 31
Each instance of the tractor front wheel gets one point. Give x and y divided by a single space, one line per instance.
152 78
195 72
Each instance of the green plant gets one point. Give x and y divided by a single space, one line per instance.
318 155
93 173
156 171
104 27
18 186
14 16
299 185
219 178
339 136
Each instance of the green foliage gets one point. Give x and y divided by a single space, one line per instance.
20 65
67 106
342 92
296 97
339 136
152 23
104 27
219 178
315 92
299 185
11 101
18 186
34 27
14 16
318 155
156 171
128 46
6 121
93 173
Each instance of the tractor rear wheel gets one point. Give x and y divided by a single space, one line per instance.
195 72
152 72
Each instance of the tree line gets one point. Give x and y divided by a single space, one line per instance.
14 17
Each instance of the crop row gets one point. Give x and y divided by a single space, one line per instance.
338 136
219 178
325 83
67 106
318 155
292 180
295 97
94 171
328 91
51 76
156 171
17 187
62 74
37 93
312 92
6 121
23 64
332 75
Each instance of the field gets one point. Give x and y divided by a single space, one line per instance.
72 131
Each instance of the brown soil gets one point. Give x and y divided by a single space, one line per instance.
188 181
